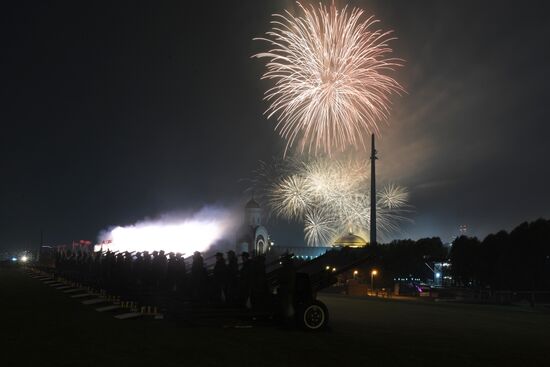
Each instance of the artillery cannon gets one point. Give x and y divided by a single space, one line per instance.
310 278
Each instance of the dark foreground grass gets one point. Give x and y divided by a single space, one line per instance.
44 327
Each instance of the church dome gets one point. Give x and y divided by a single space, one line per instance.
252 204
350 240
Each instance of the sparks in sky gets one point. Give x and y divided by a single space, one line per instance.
393 196
330 197
319 227
290 198
331 73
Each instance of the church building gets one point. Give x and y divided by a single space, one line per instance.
253 237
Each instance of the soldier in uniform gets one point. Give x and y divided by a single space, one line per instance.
138 270
220 279
286 287
171 269
159 270
180 274
198 277
245 276
127 265
232 278
147 270
259 289
107 266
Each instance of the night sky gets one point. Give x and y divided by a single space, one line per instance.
113 112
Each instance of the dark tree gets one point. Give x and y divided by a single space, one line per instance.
465 261
493 258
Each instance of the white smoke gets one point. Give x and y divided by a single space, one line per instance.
184 233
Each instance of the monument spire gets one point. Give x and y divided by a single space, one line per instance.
373 159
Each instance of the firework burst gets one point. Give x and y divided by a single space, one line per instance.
329 197
393 196
319 227
330 72
289 197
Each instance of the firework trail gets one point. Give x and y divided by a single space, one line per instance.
329 68
329 197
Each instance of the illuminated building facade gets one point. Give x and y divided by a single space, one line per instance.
253 236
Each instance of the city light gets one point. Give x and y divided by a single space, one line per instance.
372 274
24 258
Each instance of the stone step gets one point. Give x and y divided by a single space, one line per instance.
108 308
129 315
83 295
94 301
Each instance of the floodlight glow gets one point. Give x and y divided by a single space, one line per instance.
24 259
438 275
13 259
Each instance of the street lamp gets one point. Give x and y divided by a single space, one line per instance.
355 272
372 274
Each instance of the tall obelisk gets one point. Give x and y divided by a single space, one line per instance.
373 159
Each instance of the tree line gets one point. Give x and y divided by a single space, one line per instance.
516 260
519 260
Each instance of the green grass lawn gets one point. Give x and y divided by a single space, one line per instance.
44 327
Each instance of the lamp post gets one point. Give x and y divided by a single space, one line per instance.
372 274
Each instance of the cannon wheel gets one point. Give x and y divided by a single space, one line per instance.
313 316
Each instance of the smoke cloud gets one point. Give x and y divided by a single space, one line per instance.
175 232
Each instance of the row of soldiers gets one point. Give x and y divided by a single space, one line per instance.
129 273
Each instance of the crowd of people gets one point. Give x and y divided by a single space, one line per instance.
128 274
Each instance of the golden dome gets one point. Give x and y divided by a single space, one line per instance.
350 240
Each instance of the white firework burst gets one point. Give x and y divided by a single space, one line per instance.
333 197
319 228
393 197
330 71
289 197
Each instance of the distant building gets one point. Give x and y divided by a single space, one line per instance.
311 252
300 252
253 237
